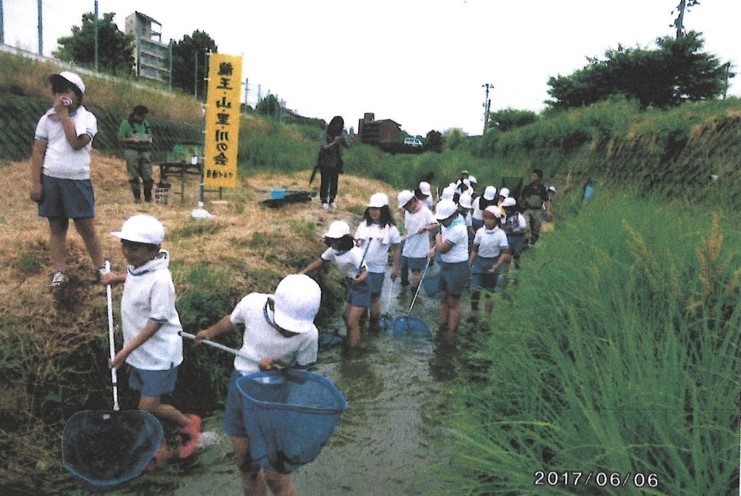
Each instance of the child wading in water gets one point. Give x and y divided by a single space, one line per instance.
152 348
377 233
349 259
488 259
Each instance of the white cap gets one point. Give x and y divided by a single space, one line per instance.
338 229
490 193
552 188
472 179
297 300
378 200
424 187
445 209
493 210
142 229
448 193
404 197
465 200
504 192
467 182
464 172
509 202
72 78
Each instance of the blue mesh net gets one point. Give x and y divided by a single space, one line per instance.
410 327
289 416
103 449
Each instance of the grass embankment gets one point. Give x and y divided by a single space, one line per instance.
618 353
55 355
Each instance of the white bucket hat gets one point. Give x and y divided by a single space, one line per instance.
445 209
490 193
404 197
448 193
493 210
337 230
378 200
509 202
142 229
297 299
424 187
72 78
504 192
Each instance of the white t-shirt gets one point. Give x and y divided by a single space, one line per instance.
490 242
61 160
348 261
515 223
417 245
477 214
381 239
262 340
149 294
455 234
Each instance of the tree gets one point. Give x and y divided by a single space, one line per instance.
187 71
510 118
269 106
115 49
676 72
434 141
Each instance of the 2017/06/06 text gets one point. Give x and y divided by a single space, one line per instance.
600 479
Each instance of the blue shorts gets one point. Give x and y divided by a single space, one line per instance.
153 383
477 224
416 263
233 423
454 277
358 296
481 278
374 281
67 198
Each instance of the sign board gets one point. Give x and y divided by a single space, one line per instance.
222 121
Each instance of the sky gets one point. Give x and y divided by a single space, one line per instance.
422 63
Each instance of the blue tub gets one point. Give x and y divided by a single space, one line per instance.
277 194
289 416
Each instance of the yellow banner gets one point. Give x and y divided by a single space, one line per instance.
222 121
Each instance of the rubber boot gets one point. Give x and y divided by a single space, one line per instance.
134 183
148 191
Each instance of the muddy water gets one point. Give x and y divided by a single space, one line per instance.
389 442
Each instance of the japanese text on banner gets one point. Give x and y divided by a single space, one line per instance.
222 121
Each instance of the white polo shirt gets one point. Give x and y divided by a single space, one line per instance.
61 160
149 294
262 340
380 239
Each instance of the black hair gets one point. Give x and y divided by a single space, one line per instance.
387 218
538 172
140 110
346 242
138 244
335 126
61 85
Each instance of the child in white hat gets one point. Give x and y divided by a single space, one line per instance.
351 261
153 347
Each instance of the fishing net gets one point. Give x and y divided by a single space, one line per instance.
102 449
289 416
410 327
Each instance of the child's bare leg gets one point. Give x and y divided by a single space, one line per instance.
253 482
153 405
86 228
57 242
352 322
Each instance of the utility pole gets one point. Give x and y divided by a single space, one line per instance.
2 24
96 36
40 29
487 104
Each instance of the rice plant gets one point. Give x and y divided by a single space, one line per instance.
618 353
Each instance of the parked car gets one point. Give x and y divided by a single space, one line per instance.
413 142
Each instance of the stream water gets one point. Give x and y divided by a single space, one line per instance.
390 440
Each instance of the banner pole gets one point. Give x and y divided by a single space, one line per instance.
201 212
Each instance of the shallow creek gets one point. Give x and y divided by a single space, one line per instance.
388 442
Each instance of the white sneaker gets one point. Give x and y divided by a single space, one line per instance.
325 206
333 205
